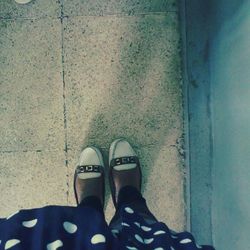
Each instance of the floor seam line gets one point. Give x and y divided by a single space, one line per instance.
64 102
87 15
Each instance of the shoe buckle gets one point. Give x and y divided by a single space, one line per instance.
125 160
89 168
117 161
132 159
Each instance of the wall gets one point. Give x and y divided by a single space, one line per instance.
194 16
216 66
230 88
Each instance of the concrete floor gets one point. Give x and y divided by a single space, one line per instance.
75 73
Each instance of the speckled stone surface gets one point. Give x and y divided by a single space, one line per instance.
107 69
31 179
107 7
123 80
34 9
31 89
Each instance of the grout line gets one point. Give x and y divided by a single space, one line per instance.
185 89
28 18
119 14
125 14
22 151
64 101
67 149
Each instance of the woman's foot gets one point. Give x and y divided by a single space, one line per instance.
124 167
89 175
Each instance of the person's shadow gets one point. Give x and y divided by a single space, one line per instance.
146 103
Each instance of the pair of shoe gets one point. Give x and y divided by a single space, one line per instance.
124 170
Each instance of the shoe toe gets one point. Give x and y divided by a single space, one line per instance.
121 148
91 156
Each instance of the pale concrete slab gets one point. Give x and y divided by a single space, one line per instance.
163 183
31 85
123 80
32 179
34 9
107 7
121 74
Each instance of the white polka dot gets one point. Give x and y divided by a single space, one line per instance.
125 224
69 227
159 248
11 243
174 237
54 245
139 238
148 241
185 241
137 224
29 223
198 246
115 232
146 229
131 248
129 210
172 248
12 215
98 238
159 232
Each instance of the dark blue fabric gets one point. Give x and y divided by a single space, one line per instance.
129 194
83 227
94 202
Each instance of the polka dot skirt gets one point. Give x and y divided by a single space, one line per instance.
83 228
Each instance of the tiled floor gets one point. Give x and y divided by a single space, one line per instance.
75 73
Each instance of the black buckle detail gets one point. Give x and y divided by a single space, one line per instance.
125 160
88 169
